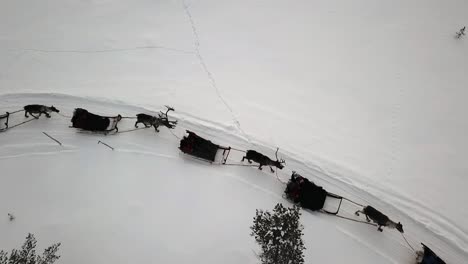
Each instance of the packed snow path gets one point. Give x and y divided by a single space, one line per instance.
374 91
146 202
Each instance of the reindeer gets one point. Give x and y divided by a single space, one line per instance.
263 160
154 121
147 120
39 109
379 218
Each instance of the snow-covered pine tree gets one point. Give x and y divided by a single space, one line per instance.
460 33
279 234
27 254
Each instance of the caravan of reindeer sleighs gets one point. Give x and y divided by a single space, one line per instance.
299 190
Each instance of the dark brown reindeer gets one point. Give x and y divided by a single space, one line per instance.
379 218
39 109
264 160
156 121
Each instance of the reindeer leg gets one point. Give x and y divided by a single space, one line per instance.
26 114
357 212
136 124
367 218
47 114
243 158
271 169
260 167
380 229
249 161
156 128
37 117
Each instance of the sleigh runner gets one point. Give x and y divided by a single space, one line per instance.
201 148
91 122
4 121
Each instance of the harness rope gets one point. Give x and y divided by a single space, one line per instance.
284 183
17 111
351 219
174 135
408 243
63 115
130 130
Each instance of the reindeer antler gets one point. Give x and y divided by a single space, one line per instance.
165 119
169 108
163 115
276 154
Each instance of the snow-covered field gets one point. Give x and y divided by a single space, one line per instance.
368 96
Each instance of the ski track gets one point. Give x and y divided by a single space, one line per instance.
139 152
207 71
42 153
444 229
152 47
362 242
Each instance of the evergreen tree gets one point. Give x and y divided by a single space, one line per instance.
460 33
27 254
279 234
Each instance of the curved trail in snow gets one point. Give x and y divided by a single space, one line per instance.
443 229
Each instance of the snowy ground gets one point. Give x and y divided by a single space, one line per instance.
371 94
147 202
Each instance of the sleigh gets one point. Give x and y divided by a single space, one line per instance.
429 257
91 122
201 148
308 195
6 118
4 121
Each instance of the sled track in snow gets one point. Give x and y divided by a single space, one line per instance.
220 134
